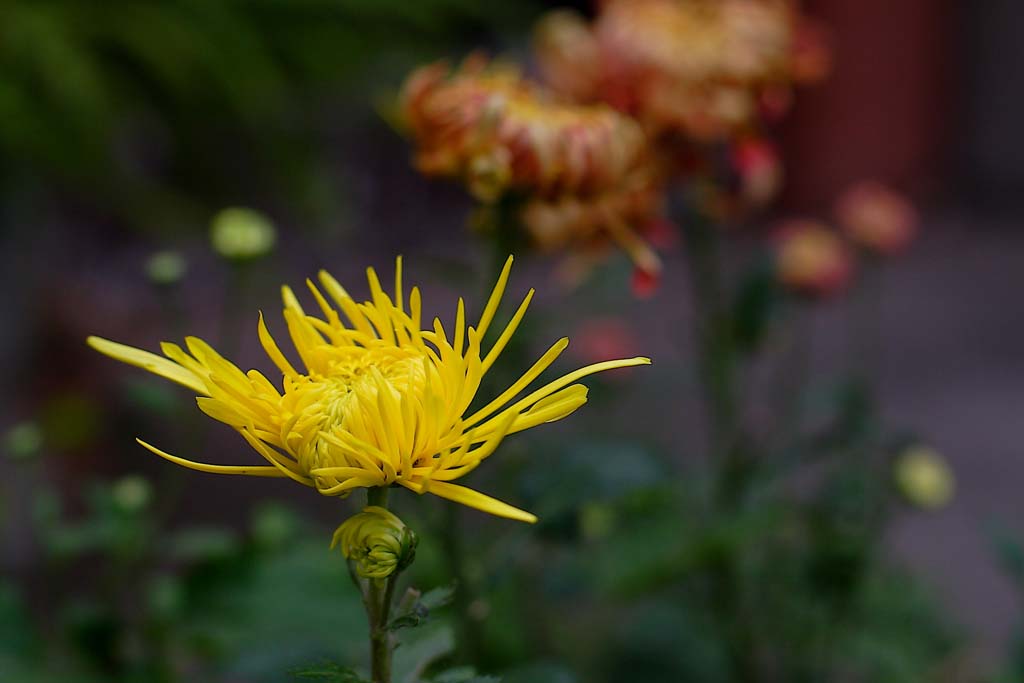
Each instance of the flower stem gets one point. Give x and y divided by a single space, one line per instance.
718 362
468 632
378 596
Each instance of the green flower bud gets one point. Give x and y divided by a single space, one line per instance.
240 234
166 267
924 478
376 542
596 521
24 440
132 493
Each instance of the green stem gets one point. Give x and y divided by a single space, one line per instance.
715 342
377 495
501 233
236 308
718 367
792 380
469 633
377 600
866 349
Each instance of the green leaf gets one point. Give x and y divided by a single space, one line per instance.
410 619
328 672
541 673
420 650
464 674
1010 554
417 611
202 544
438 597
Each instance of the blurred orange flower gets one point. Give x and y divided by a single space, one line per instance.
877 218
583 173
812 259
589 224
694 66
489 126
759 168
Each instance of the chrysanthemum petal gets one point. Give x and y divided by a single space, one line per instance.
179 356
149 361
507 333
291 302
495 299
533 373
278 461
398 283
252 471
475 499
273 350
554 386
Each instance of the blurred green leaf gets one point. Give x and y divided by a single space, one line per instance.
327 672
70 421
140 108
201 544
416 611
437 598
539 673
420 649
265 613
152 397
274 525
463 675
23 440
1010 553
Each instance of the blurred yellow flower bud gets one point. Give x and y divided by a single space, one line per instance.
924 478
488 175
166 267
376 542
877 219
132 493
597 521
240 234
24 440
811 259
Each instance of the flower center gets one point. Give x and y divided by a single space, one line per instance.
342 386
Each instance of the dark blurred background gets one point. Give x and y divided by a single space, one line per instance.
124 127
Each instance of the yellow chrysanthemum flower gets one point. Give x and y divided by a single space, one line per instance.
381 401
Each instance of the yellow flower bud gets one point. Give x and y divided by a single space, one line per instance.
166 267
132 493
240 234
376 542
24 440
489 175
811 259
924 478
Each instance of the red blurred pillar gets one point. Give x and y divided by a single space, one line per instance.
885 110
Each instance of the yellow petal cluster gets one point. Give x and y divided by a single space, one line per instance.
378 399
